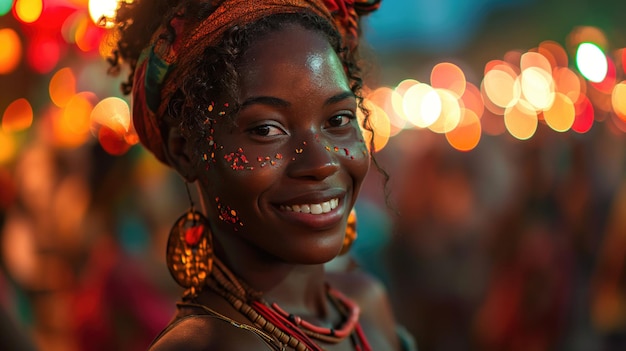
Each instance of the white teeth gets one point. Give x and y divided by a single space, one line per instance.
315 209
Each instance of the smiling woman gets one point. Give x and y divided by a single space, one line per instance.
256 102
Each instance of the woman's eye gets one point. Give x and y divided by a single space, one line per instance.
267 130
339 120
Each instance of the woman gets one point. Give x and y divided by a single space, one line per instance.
256 102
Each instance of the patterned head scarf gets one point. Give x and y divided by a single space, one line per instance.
157 74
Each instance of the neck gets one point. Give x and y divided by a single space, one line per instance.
298 288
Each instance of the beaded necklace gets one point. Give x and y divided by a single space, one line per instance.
288 329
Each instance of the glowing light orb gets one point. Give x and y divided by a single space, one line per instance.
501 88
448 76
560 116
591 62
421 105
538 87
18 116
618 100
5 6
521 120
102 11
466 135
28 11
11 52
450 114
62 86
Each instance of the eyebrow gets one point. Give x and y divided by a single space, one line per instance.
278 102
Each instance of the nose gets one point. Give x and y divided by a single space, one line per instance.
313 160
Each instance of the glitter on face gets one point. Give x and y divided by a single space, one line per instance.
236 159
228 215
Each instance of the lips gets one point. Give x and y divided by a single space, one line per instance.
314 208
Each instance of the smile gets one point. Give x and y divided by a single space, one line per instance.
314 209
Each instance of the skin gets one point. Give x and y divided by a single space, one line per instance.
298 111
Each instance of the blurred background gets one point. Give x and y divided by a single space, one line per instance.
500 122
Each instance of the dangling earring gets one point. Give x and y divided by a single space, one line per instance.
351 235
189 250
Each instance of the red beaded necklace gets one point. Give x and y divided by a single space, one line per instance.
287 328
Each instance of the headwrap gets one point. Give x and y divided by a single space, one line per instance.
157 73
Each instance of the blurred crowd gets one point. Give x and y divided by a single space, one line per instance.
515 245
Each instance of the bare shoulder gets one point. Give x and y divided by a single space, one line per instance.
369 293
359 286
207 333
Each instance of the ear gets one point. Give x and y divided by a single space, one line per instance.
179 154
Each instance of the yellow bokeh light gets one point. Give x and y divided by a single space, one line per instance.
560 117
421 105
501 88
397 97
521 120
618 100
18 116
11 52
448 76
450 115
28 11
466 135
102 12
538 87
62 87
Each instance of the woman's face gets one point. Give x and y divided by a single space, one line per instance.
284 177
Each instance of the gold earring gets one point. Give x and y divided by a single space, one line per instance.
351 234
190 251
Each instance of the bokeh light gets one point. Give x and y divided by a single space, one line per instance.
450 114
43 54
584 115
618 100
501 88
72 124
560 116
421 105
11 53
5 6
28 11
466 135
448 76
17 116
8 147
591 62
62 86
521 120
102 11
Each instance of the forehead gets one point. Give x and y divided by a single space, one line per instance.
289 59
